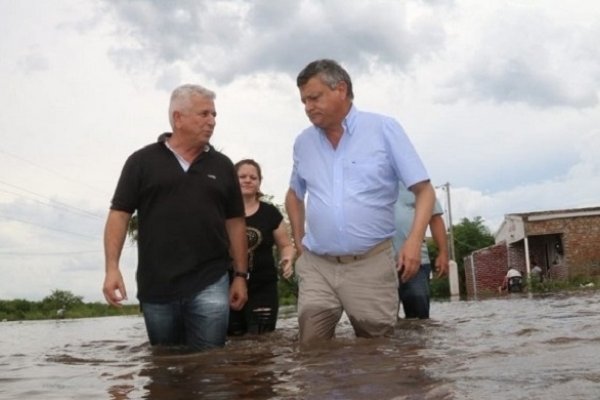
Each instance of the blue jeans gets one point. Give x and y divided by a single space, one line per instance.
414 294
198 322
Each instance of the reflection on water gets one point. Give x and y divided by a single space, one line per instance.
517 347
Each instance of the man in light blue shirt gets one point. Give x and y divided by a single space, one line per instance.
415 293
348 166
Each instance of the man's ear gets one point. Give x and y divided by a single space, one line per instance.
176 118
342 87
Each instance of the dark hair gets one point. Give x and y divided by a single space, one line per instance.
249 161
330 72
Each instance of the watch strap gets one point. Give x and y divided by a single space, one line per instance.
244 275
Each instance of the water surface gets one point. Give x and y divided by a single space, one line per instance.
517 347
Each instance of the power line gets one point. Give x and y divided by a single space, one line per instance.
51 203
48 170
63 253
43 200
57 253
47 227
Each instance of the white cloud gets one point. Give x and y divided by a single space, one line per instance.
524 55
226 40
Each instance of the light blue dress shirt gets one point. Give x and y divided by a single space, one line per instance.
405 213
350 191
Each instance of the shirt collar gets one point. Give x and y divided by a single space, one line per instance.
350 120
163 137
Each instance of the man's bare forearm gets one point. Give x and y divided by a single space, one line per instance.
295 210
115 232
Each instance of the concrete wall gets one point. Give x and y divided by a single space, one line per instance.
511 230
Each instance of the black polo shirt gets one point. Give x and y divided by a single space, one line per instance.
182 240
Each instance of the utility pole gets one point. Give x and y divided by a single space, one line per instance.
453 267
446 187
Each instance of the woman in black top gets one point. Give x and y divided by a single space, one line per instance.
265 228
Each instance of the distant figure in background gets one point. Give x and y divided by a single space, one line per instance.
537 274
190 227
415 293
513 281
264 229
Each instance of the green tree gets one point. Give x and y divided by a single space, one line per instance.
132 228
469 235
61 299
15 309
440 287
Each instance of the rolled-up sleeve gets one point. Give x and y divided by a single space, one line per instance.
297 183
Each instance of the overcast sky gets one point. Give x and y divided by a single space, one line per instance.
500 98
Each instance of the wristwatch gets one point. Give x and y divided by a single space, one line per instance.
245 275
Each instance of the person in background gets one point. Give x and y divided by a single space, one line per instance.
191 229
513 281
265 228
348 166
415 293
537 274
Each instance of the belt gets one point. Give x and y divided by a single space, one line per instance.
347 259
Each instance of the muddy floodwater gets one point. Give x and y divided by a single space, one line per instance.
514 347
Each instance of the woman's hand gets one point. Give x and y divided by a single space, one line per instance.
287 269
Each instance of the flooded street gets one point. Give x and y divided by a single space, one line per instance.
517 347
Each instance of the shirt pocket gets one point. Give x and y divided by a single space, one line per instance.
362 174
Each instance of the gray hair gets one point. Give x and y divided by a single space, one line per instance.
180 98
329 71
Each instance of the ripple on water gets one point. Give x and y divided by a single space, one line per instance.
519 347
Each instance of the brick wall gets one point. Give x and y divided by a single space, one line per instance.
580 239
488 267
516 258
580 242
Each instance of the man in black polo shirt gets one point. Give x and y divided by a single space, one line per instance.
190 226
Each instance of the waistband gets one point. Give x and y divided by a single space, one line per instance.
350 258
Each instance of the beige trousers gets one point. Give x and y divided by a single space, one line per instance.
366 289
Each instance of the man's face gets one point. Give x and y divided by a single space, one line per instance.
198 119
323 106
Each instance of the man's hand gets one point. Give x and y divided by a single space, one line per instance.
442 265
409 259
238 293
114 287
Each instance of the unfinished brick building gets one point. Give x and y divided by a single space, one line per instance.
564 243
